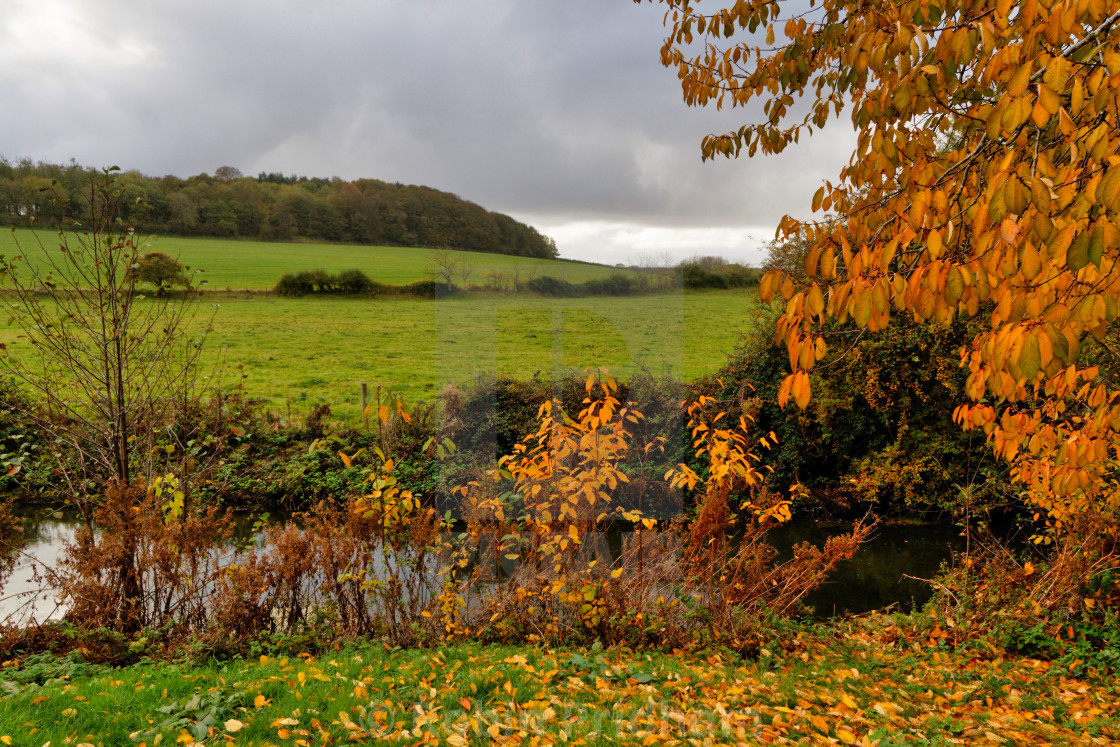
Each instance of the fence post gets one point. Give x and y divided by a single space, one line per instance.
365 408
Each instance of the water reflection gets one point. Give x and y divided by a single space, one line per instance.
875 578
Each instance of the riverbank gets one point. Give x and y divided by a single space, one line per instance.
872 680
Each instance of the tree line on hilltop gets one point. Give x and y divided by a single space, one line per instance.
272 207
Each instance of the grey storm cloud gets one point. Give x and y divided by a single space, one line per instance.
555 110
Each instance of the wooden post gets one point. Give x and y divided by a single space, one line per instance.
365 411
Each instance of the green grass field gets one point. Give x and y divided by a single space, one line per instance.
318 349
257 265
300 351
859 682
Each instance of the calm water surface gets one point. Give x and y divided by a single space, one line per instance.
875 578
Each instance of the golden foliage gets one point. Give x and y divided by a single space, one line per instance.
986 180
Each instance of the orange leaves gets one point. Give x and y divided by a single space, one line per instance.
815 300
796 386
1005 200
1108 190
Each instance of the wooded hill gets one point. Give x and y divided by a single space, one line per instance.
271 207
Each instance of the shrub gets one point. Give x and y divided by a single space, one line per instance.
696 276
154 561
546 285
741 276
426 289
1058 603
355 282
545 509
615 285
351 282
159 270
294 284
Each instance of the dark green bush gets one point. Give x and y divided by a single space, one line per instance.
615 285
356 282
427 289
741 276
350 282
696 276
546 285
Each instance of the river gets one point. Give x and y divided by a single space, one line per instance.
877 577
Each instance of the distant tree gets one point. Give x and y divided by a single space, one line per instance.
227 173
160 270
466 267
184 213
788 256
445 266
273 206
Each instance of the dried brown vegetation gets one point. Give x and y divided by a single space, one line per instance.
533 561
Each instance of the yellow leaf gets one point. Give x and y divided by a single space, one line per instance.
1009 230
954 286
6 739
1020 81
783 391
1029 357
846 736
861 308
815 299
233 725
345 459
260 701
801 389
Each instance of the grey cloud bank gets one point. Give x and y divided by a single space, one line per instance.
557 113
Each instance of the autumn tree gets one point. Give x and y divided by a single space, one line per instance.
985 182
160 270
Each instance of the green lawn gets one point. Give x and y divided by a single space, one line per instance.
856 684
257 265
313 349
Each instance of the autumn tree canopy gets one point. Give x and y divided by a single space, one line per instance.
986 181
160 270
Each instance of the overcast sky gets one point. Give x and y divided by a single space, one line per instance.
554 111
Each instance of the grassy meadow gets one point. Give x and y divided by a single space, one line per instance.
875 682
257 265
318 349
301 351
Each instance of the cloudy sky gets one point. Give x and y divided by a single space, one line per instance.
555 111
